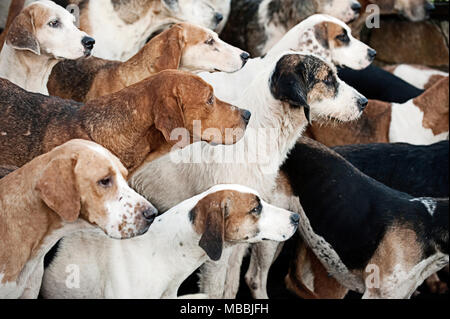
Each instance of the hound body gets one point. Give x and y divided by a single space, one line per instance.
156 265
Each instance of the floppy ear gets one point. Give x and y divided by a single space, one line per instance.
170 44
21 34
57 188
214 232
168 116
321 34
172 5
289 85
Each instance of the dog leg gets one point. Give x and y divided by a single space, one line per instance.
34 282
234 271
401 285
213 275
262 257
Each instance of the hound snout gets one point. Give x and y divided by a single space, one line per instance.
88 43
295 219
246 116
218 17
362 103
371 53
356 7
150 214
244 56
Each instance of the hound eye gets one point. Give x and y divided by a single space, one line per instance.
210 100
343 38
257 210
210 41
106 182
329 80
54 23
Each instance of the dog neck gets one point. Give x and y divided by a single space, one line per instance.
26 69
32 237
171 240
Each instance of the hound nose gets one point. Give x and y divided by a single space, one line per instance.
218 17
246 116
244 57
88 42
362 103
429 7
149 214
372 54
295 218
356 7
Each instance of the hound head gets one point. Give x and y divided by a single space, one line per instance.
333 41
185 99
85 180
309 84
45 28
200 12
413 10
236 214
204 51
345 10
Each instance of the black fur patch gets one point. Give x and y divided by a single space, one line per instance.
420 171
349 209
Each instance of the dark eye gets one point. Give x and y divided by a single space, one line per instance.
257 210
54 23
343 37
210 41
210 100
106 182
329 80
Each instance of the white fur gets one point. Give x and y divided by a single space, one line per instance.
121 210
415 76
31 71
338 9
153 265
230 87
406 126
166 183
117 40
429 203
219 56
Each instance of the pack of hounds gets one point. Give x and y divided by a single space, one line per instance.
352 179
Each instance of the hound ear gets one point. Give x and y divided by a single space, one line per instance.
168 116
213 236
21 34
321 34
170 43
208 217
290 86
172 5
57 188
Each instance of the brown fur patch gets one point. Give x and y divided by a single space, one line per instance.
399 246
434 103
371 127
305 261
86 79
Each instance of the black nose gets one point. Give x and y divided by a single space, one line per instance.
372 54
362 103
246 116
295 218
88 42
149 214
356 7
218 17
245 56
429 7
